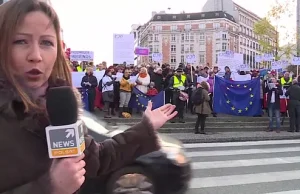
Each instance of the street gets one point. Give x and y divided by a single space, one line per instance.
261 167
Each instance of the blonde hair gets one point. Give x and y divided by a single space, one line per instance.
11 15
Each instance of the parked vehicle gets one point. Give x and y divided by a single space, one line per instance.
166 171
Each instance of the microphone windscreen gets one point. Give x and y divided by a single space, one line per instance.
62 107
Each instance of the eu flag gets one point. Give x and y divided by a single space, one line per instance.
140 100
85 98
241 98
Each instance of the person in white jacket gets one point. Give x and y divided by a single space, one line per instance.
143 80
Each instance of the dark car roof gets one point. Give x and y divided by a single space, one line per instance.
100 131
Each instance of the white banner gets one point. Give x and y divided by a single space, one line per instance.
230 59
123 48
296 61
191 58
157 57
82 56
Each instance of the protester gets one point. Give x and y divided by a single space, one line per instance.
274 91
294 106
107 88
125 92
27 72
89 82
143 80
203 109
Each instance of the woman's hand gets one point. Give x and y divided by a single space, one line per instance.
67 174
160 116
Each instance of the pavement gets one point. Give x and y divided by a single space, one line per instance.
257 167
224 128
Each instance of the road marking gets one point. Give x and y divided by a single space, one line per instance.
287 192
248 143
241 163
198 183
241 152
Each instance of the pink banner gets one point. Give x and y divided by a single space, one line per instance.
141 51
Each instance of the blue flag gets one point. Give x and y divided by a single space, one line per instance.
85 99
240 98
140 100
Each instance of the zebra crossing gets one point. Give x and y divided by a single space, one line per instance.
261 167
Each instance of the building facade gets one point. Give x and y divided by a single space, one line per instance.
203 34
248 40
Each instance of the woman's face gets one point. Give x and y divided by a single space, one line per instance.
142 70
126 73
34 50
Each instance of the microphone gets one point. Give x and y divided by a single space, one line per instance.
65 135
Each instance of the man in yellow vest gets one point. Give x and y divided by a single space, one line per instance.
286 81
177 81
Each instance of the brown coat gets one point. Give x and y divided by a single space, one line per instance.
204 108
24 155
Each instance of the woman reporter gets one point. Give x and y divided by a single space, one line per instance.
32 61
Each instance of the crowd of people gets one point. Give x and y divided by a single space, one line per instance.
114 96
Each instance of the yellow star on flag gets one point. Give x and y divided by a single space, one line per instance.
232 108
227 88
250 89
246 109
231 86
240 111
250 102
228 101
245 86
251 95
238 85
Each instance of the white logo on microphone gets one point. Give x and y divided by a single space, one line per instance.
70 133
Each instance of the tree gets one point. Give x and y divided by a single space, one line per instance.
268 33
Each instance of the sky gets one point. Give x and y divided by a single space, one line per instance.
89 25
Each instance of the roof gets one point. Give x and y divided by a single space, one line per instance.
246 10
192 16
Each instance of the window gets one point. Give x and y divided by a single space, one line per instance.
187 36
182 37
216 25
201 36
156 49
174 16
201 58
173 48
203 15
187 48
191 48
150 37
202 48
202 26
173 37
150 48
173 28
218 46
158 17
187 27
182 48
158 28
217 14
191 36
218 35
182 59
224 36
173 58
155 37
150 59
188 16
224 46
